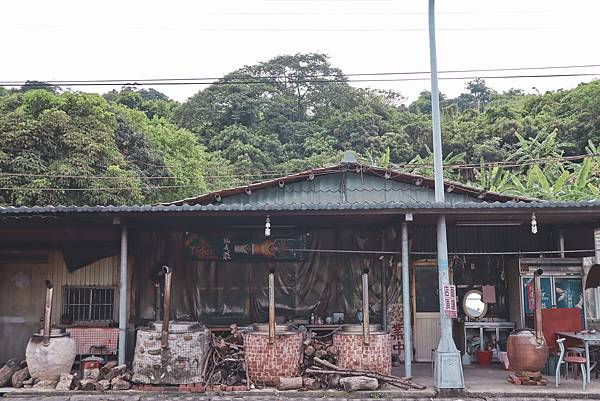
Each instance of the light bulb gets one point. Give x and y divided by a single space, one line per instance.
534 227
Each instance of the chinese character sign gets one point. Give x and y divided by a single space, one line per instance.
450 309
227 249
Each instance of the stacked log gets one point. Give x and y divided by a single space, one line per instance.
352 380
225 363
314 348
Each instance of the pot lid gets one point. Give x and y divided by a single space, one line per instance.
358 329
93 359
177 326
279 328
54 332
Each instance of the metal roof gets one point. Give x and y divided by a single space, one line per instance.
409 206
333 179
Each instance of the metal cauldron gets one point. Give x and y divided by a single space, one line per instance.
51 351
527 349
527 353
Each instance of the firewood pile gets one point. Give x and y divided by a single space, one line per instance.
352 380
225 363
109 377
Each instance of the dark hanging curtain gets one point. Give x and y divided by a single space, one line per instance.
225 292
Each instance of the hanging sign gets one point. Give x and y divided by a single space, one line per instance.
531 295
226 249
450 309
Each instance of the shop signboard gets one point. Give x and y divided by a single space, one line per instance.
529 294
450 309
227 249
568 292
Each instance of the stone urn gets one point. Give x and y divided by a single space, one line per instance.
48 361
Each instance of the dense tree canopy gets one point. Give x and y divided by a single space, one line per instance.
287 114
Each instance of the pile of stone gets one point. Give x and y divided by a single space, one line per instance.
109 377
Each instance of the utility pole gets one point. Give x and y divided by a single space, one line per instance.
448 367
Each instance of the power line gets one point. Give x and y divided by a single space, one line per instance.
506 164
326 81
244 78
286 29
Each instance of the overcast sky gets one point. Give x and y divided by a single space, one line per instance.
74 40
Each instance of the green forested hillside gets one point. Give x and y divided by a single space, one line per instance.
280 116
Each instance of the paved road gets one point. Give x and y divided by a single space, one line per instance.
296 397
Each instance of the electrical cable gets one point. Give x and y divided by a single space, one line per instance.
305 76
279 173
263 81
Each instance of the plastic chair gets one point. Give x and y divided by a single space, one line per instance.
578 360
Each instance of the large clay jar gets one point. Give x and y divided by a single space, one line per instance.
525 352
47 362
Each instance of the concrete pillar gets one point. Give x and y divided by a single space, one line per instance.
406 306
123 294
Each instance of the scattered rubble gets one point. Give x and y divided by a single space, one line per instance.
110 376
66 382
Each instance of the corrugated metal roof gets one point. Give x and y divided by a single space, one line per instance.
166 209
332 179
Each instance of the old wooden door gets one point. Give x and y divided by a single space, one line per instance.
22 288
427 309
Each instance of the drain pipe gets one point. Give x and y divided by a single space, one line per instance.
48 312
164 336
156 301
272 306
365 305
538 305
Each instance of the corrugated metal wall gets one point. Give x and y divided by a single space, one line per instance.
104 272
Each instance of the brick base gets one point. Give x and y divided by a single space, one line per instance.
354 355
267 362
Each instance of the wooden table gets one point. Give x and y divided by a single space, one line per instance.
586 338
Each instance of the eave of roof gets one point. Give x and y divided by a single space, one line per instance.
391 206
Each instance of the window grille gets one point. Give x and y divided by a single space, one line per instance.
88 304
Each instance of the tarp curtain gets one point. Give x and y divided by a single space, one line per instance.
222 292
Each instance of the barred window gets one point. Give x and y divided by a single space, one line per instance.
88 304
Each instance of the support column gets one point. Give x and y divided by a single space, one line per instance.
123 294
406 306
448 366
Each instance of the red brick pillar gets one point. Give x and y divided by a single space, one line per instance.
355 355
267 362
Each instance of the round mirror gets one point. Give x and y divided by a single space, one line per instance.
473 305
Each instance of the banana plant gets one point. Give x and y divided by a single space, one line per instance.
424 165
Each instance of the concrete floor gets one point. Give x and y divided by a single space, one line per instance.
481 384
491 381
